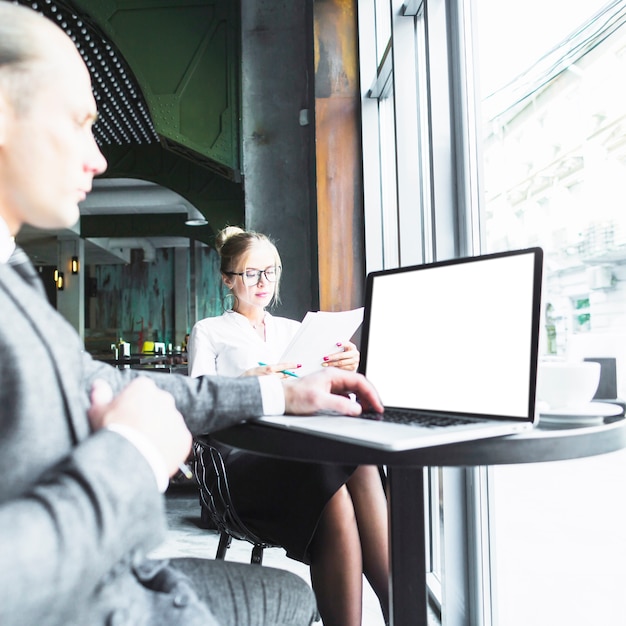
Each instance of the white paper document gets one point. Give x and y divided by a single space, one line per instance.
318 337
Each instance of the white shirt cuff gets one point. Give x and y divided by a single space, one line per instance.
272 395
147 450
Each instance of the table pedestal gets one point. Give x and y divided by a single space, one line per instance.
408 597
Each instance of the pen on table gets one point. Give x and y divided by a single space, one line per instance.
184 468
287 372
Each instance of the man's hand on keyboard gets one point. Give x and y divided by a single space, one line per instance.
329 390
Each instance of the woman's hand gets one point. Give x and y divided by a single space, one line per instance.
278 368
346 359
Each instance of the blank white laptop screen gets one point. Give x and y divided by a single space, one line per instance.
462 332
455 339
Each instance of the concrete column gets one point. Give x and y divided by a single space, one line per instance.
193 290
181 322
278 140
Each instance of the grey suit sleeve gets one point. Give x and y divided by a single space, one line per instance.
76 525
208 403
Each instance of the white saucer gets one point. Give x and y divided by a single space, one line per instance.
591 413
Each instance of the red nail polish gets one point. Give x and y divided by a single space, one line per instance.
339 344
325 358
299 365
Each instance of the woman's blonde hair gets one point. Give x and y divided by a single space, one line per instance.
233 244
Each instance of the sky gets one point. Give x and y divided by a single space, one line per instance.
513 35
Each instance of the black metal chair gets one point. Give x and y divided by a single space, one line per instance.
217 504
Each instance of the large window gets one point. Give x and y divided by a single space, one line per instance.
552 145
494 125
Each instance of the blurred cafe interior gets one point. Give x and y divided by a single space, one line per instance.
365 135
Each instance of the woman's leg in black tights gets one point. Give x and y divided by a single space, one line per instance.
336 563
370 507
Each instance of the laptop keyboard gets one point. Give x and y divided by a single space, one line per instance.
400 416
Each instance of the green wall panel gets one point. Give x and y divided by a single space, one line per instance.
184 55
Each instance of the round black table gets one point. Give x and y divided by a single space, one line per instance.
405 485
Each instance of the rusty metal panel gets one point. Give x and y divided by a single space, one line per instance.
338 156
339 205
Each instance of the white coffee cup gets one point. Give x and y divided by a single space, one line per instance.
567 384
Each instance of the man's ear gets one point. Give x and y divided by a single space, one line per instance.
6 112
3 118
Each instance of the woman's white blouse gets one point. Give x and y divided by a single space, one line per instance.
228 345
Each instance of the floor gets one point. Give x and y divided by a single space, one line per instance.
187 538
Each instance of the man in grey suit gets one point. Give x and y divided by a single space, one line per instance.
85 449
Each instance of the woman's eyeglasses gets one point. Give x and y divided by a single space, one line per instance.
252 277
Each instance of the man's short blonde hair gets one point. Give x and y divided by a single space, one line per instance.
21 51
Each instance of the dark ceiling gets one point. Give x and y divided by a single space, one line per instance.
123 115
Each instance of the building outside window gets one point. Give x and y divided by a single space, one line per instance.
554 154
552 146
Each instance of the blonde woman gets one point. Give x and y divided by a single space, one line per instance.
333 518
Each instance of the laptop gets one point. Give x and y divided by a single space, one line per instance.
451 343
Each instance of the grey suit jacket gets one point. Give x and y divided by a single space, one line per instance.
79 510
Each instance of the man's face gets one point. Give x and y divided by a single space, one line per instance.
48 155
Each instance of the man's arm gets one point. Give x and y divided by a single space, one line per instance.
61 538
92 513
207 403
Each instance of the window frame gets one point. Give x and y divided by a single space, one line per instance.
437 182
